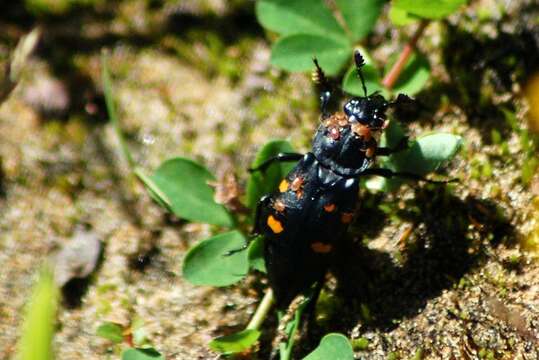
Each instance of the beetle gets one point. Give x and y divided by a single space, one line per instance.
304 220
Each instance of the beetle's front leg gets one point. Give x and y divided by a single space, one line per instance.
281 157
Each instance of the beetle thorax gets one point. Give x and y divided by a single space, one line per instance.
343 144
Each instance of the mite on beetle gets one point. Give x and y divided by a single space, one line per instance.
305 218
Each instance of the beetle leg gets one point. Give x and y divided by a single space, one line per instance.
402 99
240 249
387 173
281 157
264 201
386 151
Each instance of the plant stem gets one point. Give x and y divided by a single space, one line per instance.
392 76
286 348
111 109
261 311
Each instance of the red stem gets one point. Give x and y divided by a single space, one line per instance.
392 76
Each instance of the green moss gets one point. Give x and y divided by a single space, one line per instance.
326 306
360 344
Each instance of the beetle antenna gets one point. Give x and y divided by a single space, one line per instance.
318 75
320 78
359 64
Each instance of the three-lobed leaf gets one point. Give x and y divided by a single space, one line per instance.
264 182
184 184
208 263
333 346
236 342
298 17
310 30
296 52
142 354
360 15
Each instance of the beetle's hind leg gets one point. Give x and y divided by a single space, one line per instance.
281 157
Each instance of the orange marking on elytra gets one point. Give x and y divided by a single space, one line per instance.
275 225
330 207
283 186
321 248
370 152
346 218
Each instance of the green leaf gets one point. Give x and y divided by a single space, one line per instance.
296 52
429 9
392 135
352 84
154 191
261 183
207 263
413 77
427 153
184 183
256 254
110 331
236 342
423 156
142 354
38 326
360 15
298 17
332 346
400 17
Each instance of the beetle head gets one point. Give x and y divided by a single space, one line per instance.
369 111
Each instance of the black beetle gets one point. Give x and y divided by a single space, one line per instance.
305 218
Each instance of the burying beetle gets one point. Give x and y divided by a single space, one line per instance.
307 216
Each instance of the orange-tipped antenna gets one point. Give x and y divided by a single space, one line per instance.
318 75
320 78
359 64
